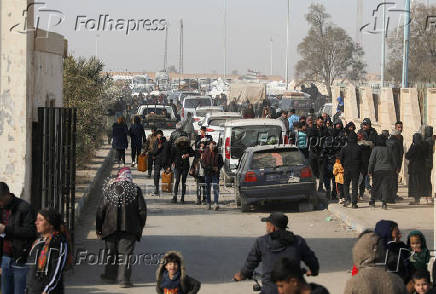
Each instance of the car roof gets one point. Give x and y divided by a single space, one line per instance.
209 107
223 114
254 121
197 97
271 147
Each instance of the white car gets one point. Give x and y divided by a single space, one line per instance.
200 114
191 103
214 123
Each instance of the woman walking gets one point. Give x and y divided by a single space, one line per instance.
137 136
119 141
212 162
50 254
416 156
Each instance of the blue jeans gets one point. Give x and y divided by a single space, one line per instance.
13 277
212 181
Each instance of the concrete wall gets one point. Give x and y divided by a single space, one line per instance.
350 104
27 77
367 104
386 109
15 99
431 120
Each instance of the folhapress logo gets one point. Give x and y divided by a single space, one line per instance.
105 23
44 19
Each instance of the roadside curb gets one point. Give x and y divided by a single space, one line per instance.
342 213
102 172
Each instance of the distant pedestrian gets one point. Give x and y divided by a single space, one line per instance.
51 253
137 135
180 154
301 139
289 279
179 132
188 125
120 219
395 145
212 162
161 155
18 232
380 168
248 111
284 118
292 119
416 157
172 278
270 248
429 143
351 160
119 141
149 148
368 253
366 136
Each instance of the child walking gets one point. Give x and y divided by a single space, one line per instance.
338 172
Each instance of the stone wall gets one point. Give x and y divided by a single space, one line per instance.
30 73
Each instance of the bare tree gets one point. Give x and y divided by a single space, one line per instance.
422 54
328 53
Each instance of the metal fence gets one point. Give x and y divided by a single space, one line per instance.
54 162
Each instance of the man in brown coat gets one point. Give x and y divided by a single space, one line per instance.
368 257
149 143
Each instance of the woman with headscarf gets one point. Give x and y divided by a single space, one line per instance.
416 168
120 219
49 255
380 167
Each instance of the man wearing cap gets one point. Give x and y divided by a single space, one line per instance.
276 244
367 136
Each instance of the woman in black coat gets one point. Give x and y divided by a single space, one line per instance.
119 141
416 156
137 136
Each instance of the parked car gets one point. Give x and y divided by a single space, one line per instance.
274 173
200 113
152 115
215 121
190 103
244 133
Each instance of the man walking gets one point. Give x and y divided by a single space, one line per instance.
149 148
395 145
160 154
270 248
18 230
351 159
120 219
366 137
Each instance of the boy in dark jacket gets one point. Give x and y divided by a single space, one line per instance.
212 162
171 276
180 154
351 160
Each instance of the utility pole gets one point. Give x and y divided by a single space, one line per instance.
166 49
405 82
225 39
181 48
359 21
287 47
383 57
271 56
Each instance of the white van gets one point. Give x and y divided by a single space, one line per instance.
243 133
190 103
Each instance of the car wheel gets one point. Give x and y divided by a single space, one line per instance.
305 206
237 197
244 205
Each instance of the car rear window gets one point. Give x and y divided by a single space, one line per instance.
251 136
155 111
274 158
196 102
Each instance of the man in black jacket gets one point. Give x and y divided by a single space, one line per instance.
17 228
161 158
395 146
180 154
120 219
202 135
367 136
270 248
351 159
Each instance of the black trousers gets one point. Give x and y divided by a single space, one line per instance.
353 178
136 150
121 156
180 173
150 164
381 185
157 169
119 245
394 185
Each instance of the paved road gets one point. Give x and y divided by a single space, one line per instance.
214 244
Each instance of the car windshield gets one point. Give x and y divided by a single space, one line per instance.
220 121
250 136
276 158
196 102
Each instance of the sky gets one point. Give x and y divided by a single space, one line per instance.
250 26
